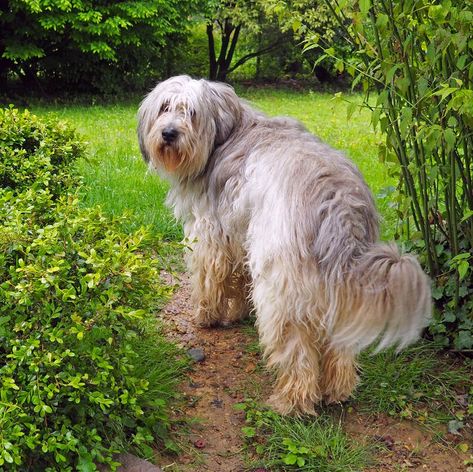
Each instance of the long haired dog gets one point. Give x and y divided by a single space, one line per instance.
285 225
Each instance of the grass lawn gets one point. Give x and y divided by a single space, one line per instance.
118 181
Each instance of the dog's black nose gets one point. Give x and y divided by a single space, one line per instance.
169 134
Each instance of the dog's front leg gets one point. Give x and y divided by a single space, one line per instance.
210 267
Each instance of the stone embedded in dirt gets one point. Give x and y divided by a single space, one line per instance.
454 426
216 403
131 463
197 354
199 443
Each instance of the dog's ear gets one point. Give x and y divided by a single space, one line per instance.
143 127
141 140
226 109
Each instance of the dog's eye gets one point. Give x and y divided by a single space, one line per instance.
164 108
192 113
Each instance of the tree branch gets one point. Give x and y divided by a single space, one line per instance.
231 51
212 55
226 33
251 55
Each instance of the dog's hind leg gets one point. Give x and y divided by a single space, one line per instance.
291 344
339 376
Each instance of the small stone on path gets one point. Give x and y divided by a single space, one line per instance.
131 463
197 354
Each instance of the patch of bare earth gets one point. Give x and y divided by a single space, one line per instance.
213 387
406 446
230 370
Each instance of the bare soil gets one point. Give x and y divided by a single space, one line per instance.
232 370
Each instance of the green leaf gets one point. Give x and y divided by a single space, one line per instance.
382 21
450 138
405 121
463 447
391 72
468 214
462 268
464 340
445 92
290 459
249 432
296 24
240 406
365 5
351 108
7 456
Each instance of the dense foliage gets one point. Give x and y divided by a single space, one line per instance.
227 22
271 32
418 56
83 375
36 153
88 45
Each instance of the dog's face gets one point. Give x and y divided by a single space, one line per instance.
181 122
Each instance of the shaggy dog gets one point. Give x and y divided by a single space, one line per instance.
281 223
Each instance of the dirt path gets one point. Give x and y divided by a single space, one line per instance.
215 384
232 369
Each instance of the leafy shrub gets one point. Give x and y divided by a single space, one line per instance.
37 153
73 295
84 372
418 57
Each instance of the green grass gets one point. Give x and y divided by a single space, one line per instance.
314 444
117 179
114 174
417 383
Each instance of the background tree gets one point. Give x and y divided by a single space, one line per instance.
84 42
227 21
312 21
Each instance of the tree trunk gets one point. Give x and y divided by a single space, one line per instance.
212 55
219 67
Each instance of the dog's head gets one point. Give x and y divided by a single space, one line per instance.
181 122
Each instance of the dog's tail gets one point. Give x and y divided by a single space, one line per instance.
385 298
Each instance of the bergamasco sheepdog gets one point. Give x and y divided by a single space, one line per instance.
281 224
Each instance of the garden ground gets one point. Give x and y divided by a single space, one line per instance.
232 374
411 410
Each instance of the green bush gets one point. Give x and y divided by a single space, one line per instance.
37 153
418 58
84 371
89 46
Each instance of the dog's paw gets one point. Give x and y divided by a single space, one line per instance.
291 406
204 318
331 399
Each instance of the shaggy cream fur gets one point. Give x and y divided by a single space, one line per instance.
281 223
